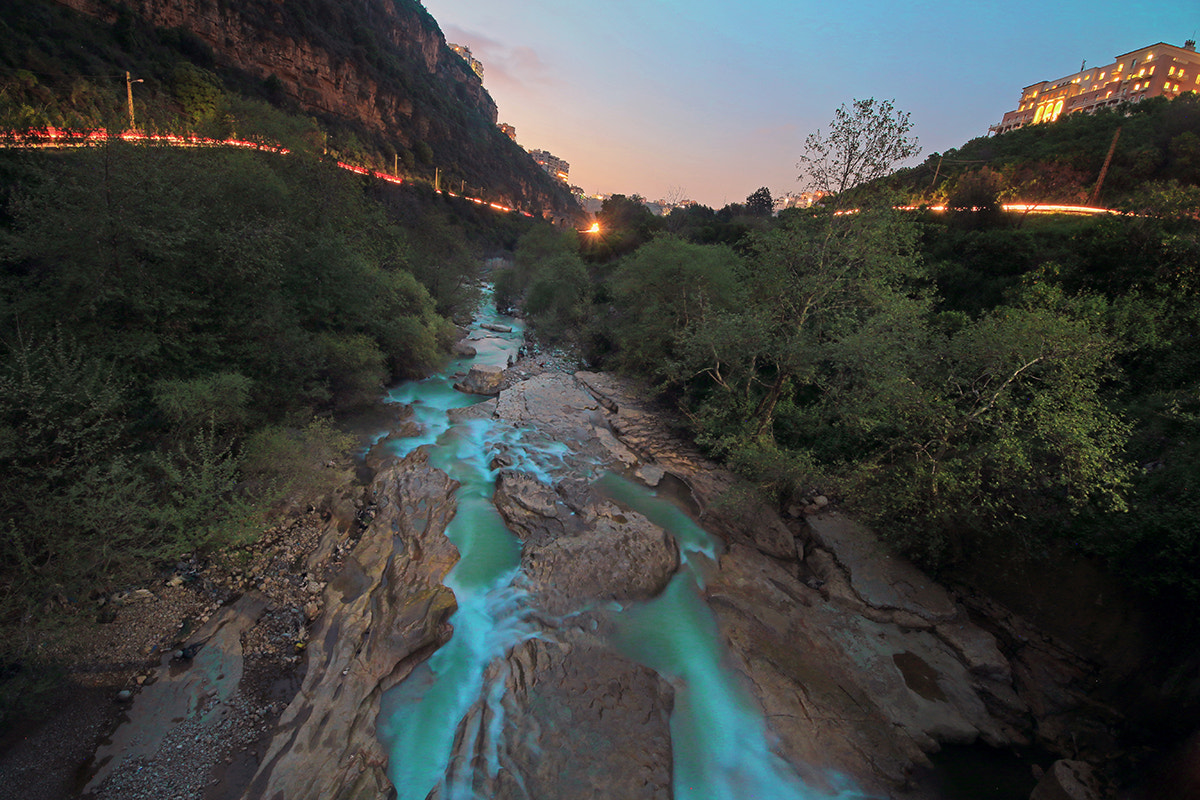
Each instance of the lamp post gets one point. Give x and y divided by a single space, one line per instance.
129 82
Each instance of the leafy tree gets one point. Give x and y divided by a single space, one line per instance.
548 281
814 275
760 203
663 290
864 143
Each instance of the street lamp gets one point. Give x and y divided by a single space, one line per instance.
129 82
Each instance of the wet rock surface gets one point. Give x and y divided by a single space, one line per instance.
577 553
860 664
588 723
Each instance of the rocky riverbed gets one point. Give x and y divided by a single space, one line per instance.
858 664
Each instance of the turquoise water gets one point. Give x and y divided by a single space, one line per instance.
720 743
719 739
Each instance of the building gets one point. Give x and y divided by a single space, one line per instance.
802 200
465 52
552 164
1153 71
508 130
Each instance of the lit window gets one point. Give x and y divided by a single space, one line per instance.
1166 87
1177 87
1171 71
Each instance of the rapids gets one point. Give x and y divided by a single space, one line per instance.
720 742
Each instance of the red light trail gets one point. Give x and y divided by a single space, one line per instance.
51 137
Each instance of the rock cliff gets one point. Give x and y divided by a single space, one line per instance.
381 66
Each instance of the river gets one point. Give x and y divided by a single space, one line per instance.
721 747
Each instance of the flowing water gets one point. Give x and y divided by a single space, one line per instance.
720 742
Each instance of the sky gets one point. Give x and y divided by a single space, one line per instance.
710 100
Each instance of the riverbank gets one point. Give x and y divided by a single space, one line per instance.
859 665
104 652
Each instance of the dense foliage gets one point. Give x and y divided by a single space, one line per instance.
178 327
1159 140
953 378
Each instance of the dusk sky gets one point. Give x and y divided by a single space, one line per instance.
714 99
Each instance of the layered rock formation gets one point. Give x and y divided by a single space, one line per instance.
383 616
857 663
381 65
266 38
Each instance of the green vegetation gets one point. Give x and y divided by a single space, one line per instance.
180 326
62 69
1060 163
952 378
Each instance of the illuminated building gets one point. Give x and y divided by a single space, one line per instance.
465 52
508 130
1153 71
802 200
552 164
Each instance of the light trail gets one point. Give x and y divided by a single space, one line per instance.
57 138
1024 208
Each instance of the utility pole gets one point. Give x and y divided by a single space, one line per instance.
437 180
1112 148
129 82
396 168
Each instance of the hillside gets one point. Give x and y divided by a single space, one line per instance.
1159 140
370 81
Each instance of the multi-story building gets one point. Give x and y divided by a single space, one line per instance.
1153 71
552 164
802 200
465 52
508 130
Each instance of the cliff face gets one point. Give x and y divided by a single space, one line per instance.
381 65
266 38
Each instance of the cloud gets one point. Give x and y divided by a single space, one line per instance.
513 67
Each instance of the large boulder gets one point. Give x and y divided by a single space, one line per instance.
577 720
593 552
484 379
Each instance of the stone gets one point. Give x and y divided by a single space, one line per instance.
593 552
1068 780
881 578
495 327
176 696
485 379
464 350
977 648
384 614
650 474
586 723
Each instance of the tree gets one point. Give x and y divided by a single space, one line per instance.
760 203
864 143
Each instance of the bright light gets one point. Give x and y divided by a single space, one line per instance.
594 229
